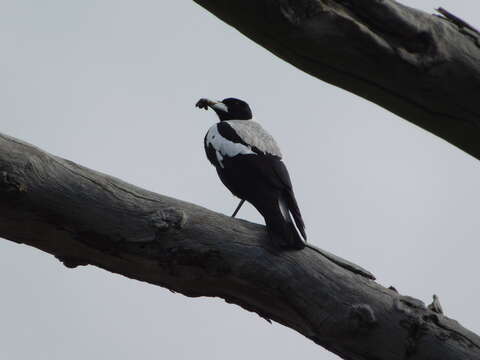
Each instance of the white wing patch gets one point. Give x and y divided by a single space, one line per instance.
224 147
254 135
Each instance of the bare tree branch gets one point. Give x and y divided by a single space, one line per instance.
85 217
424 68
421 67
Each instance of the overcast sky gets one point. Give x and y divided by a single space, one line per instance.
111 84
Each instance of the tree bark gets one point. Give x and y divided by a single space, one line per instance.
422 67
85 217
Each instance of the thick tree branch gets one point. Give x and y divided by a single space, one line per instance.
85 217
421 67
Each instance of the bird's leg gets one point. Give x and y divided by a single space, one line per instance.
238 208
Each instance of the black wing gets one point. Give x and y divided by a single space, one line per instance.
275 172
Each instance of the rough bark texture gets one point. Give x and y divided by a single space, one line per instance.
421 67
85 217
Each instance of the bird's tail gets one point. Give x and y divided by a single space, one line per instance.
281 226
295 212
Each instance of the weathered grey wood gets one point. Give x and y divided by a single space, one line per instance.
421 67
85 217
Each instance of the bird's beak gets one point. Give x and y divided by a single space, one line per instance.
215 105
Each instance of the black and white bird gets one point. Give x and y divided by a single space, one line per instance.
249 163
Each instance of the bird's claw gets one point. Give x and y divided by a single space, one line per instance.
202 103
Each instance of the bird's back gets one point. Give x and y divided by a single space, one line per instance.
253 134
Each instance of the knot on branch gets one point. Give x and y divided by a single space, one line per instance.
71 262
361 318
10 185
168 218
389 24
412 322
416 329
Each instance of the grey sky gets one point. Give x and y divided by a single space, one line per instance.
112 85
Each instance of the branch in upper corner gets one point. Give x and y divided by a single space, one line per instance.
414 64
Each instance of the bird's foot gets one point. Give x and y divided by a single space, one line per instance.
238 208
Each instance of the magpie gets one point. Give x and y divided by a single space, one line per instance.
249 163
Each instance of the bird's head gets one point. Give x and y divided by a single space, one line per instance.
227 109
